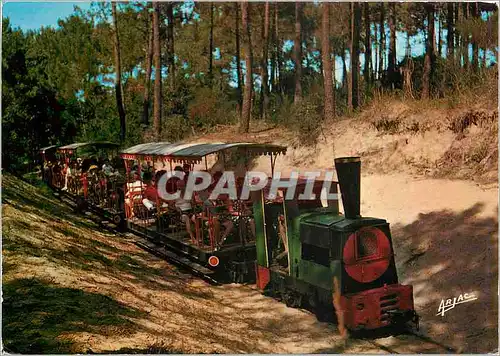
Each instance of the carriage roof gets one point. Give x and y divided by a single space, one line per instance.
48 148
75 146
194 152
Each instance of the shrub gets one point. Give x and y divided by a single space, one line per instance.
387 125
210 107
304 118
459 124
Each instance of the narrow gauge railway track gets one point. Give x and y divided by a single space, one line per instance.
159 249
406 343
410 343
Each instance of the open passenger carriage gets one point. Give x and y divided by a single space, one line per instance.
47 160
93 174
218 233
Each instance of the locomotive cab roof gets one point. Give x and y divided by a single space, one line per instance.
340 222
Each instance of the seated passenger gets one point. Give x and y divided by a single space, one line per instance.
150 195
247 216
66 176
135 186
107 168
217 209
185 208
186 168
134 192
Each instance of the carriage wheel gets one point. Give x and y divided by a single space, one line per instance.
81 204
117 219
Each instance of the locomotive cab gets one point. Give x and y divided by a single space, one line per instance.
359 253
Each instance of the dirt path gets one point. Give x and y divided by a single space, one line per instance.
446 243
70 288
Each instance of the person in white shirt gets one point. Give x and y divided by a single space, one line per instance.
107 169
185 208
134 192
68 173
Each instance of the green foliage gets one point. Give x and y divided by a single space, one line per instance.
210 107
303 118
58 83
33 114
175 128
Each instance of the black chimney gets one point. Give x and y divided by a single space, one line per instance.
349 176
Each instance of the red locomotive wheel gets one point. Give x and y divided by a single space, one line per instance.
213 261
367 254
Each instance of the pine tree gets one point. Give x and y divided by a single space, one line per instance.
157 64
118 73
149 63
298 52
327 64
247 47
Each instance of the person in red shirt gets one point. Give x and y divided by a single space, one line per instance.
149 194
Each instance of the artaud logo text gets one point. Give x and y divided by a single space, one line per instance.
452 302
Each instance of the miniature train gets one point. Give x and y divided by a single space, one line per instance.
303 251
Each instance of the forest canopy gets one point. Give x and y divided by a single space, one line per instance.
137 72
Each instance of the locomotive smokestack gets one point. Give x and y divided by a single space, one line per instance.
349 176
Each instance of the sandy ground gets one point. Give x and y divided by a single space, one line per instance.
445 237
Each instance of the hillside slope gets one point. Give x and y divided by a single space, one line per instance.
69 288
433 139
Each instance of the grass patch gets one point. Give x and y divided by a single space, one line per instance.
36 313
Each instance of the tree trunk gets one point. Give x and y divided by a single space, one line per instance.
349 76
238 58
247 47
298 52
429 52
355 26
466 38
272 57
147 84
382 41
278 48
474 11
450 32
392 59
485 54
327 64
407 71
157 64
118 72
439 42
344 69
264 93
211 45
368 49
377 51
171 52
457 35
